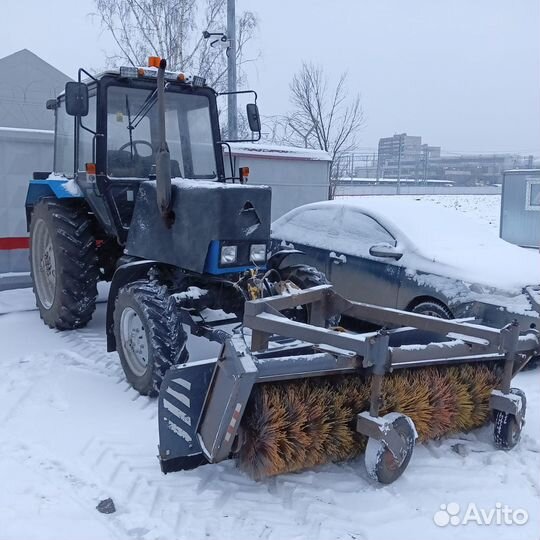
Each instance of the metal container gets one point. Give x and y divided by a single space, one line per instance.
520 207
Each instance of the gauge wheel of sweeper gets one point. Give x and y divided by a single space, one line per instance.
381 464
432 308
305 277
149 334
507 428
63 263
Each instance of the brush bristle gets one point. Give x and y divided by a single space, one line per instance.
301 424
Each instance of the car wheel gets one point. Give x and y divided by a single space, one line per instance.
433 308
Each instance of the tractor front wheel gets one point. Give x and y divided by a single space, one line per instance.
63 264
149 335
305 277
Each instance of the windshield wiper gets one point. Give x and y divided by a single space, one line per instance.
130 128
145 107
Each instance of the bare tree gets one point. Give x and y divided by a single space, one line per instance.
322 117
172 29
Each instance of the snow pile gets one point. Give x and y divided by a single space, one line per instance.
73 188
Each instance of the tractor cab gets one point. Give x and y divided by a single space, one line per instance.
108 134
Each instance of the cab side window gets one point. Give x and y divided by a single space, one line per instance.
85 137
64 142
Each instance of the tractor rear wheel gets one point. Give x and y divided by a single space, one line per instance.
63 264
149 335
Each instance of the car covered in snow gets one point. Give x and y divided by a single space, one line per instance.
414 255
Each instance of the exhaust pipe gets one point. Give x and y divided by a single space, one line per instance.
163 157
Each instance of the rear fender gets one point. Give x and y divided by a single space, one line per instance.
58 189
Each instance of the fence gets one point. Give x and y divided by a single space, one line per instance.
352 190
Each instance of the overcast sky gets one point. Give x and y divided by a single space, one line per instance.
463 74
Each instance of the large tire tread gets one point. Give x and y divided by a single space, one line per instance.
76 264
434 307
166 336
306 277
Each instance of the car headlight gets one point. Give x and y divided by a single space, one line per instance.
257 253
228 254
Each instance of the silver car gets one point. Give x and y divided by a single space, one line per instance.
413 255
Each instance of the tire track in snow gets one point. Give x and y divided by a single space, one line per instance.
88 350
91 347
18 379
195 504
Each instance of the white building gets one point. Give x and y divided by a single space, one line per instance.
26 145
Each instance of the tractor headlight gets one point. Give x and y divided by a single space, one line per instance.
228 254
257 253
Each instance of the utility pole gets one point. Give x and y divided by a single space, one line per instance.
426 157
231 70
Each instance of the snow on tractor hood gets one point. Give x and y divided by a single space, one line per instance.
445 242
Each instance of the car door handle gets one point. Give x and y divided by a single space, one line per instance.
337 259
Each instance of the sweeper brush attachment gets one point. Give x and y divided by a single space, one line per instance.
297 425
284 396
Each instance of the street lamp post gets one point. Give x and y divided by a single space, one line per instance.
231 70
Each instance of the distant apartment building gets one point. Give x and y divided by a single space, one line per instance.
479 169
406 157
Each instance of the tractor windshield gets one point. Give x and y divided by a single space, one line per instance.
132 134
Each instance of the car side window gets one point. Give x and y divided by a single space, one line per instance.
316 226
359 232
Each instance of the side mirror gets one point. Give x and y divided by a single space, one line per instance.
254 119
76 99
385 250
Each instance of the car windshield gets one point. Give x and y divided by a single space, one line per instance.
132 134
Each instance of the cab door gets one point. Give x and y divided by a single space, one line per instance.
354 271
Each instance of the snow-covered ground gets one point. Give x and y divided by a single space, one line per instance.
72 432
485 208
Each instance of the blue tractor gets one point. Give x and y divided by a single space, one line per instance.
140 196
